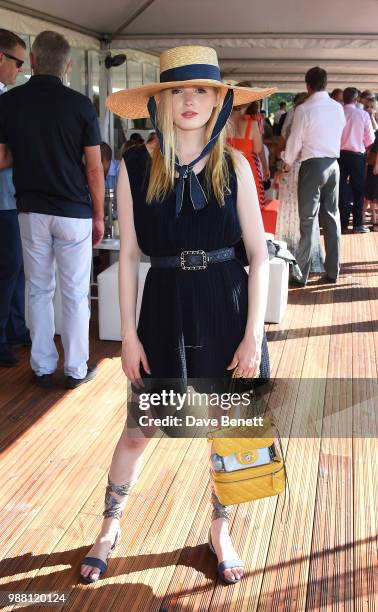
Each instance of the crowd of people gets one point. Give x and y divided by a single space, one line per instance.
136 140
323 156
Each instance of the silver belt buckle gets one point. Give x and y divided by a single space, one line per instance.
201 267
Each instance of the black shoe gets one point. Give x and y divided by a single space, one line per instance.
72 383
97 563
327 280
21 341
45 381
293 282
7 358
361 229
226 564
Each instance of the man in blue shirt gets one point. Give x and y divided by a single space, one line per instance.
110 166
13 330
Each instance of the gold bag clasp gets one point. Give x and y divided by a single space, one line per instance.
247 457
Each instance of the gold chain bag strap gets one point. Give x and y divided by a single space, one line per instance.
245 463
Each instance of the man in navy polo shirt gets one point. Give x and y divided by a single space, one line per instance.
47 128
13 329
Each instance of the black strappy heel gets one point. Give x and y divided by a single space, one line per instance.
226 564
97 563
113 509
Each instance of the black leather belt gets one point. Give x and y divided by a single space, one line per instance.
193 260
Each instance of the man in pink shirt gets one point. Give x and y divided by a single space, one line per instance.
357 135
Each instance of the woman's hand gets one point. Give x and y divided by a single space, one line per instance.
247 357
132 355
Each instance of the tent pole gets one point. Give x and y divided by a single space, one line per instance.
106 118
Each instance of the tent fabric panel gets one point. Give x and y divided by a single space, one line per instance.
24 24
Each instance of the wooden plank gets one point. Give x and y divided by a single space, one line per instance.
330 560
284 583
32 481
365 352
150 548
365 509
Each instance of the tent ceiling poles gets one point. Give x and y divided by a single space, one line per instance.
239 41
258 63
277 77
256 35
256 54
133 16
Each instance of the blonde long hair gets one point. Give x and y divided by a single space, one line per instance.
162 175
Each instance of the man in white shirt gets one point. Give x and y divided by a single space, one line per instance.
357 135
315 140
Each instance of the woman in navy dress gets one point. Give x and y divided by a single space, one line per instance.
201 315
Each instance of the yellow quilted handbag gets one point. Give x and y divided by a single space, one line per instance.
248 467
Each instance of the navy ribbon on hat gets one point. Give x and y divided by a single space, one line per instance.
191 72
185 171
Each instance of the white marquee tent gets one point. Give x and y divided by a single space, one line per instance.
270 43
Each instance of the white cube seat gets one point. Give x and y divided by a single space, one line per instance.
278 288
109 317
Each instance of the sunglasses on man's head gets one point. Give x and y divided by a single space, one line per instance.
19 62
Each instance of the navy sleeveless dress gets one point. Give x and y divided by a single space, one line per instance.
191 321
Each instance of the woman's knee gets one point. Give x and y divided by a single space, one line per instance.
133 443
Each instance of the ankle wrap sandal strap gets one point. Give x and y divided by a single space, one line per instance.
114 507
219 510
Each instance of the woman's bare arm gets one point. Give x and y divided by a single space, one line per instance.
255 245
133 353
247 356
129 255
256 138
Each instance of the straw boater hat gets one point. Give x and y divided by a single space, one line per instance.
189 65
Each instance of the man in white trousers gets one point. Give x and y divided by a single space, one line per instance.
45 131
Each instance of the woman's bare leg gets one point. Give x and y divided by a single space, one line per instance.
124 470
220 538
219 530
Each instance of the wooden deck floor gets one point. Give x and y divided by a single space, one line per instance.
56 448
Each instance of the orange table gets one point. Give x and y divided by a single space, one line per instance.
269 215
